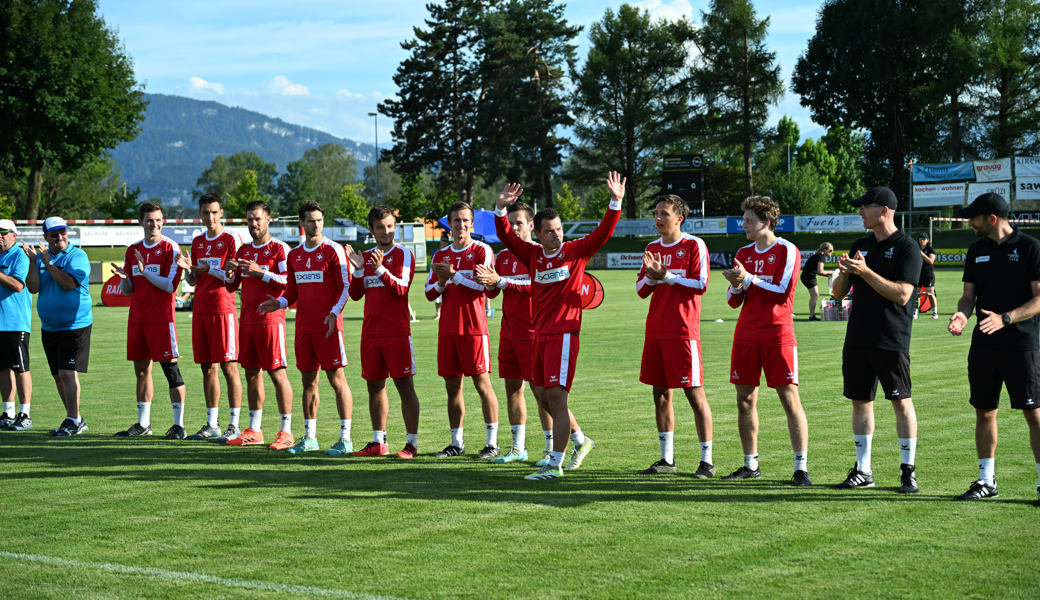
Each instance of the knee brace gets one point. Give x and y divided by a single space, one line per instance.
173 374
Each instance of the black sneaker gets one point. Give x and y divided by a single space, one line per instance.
814 318
21 423
704 471
135 430
5 421
856 478
661 466
450 451
488 452
175 432
907 480
979 490
70 428
744 473
801 478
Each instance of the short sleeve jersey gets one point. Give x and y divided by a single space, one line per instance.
15 307
462 299
149 303
211 295
1002 275
767 295
385 292
874 321
515 287
675 303
61 309
927 270
272 257
318 281
557 279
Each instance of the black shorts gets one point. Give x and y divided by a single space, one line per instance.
67 350
809 282
1018 370
14 351
862 368
928 281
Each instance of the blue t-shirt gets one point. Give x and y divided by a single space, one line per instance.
15 307
59 309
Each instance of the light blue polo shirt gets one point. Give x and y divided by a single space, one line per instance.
62 310
15 307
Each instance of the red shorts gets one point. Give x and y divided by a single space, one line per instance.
515 357
463 355
780 364
383 357
262 346
672 363
214 339
151 341
555 356
315 351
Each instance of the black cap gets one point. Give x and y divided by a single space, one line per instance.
989 203
879 195
922 236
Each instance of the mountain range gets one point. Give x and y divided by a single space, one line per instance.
180 137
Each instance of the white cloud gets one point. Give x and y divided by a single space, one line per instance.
348 94
198 84
282 86
669 10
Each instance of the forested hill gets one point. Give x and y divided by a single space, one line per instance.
180 137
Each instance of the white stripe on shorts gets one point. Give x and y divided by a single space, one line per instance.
173 341
694 365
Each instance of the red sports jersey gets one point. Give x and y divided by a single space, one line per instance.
386 292
767 318
211 295
675 309
556 283
517 312
272 257
318 281
462 305
149 302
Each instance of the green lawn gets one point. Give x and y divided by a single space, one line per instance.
101 517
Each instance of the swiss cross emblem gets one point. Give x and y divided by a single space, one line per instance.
681 253
220 245
158 251
267 252
771 259
469 256
319 257
389 260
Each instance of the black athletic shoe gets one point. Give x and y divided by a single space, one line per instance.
488 452
175 432
907 480
814 318
801 478
5 421
856 478
135 430
661 466
979 490
744 473
704 471
21 423
450 451
70 428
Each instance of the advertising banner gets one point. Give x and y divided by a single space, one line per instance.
993 170
962 171
736 224
828 223
1027 166
939 194
1027 188
618 260
997 187
704 226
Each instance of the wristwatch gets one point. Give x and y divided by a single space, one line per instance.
1006 319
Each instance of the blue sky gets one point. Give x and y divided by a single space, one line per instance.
327 63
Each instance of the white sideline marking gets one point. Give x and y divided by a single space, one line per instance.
194 577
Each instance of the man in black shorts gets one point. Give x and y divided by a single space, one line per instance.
812 268
927 273
1002 284
884 267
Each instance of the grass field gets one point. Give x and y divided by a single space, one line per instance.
99 517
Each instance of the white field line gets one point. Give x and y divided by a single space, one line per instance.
193 577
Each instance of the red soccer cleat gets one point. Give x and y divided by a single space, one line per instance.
373 449
409 451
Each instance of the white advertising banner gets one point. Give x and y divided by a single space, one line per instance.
997 187
993 170
939 194
704 226
828 223
1027 166
1027 188
617 260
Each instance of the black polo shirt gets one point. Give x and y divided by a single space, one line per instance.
927 270
874 321
1002 275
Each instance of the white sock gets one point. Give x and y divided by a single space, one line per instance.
492 434
908 450
751 461
212 417
178 413
519 437
987 470
578 438
144 413
255 417
286 422
378 437
863 443
548 439
556 459
667 446
25 408
801 461
456 437
706 452
310 428
413 439
235 412
9 409
344 429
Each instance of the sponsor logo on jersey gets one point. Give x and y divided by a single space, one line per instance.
153 269
213 262
310 276
553 275
890 252
373 281
1013 257
982 259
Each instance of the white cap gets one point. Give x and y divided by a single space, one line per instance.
53 223
8 225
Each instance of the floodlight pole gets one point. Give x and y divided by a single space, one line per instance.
375 119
